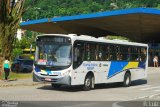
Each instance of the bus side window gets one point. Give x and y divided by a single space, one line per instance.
139 54
78 54
106 50
97 52
101 52
112 52
118 52
87 52
143 54
135 55
129 53
123 52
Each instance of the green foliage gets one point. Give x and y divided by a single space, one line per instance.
16 52
24 43
54 8
117 37
13 75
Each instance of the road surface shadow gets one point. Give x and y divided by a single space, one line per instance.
62 88
97 86
138 82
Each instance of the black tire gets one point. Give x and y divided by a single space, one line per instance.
87 83
93 83
56 86
127 80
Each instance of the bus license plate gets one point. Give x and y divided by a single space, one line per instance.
48 79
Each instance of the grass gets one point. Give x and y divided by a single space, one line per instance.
14 75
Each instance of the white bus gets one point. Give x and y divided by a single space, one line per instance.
85 60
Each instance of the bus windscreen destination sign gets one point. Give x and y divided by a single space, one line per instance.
54 39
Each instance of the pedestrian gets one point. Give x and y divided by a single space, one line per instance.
155 61
6 66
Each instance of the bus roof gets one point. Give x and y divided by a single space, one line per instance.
75 37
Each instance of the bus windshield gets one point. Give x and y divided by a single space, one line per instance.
53 54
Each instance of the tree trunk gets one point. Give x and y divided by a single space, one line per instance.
10 16
7 39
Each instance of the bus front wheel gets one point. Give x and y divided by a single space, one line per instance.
87 83
127 80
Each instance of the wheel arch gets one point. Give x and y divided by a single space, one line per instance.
89 76
90 73
127 71
127 74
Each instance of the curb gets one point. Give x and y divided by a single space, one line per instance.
22 84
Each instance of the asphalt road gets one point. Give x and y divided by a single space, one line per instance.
108 95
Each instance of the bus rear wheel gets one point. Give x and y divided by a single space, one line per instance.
127 80
88 83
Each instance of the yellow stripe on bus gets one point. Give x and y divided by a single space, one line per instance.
131 65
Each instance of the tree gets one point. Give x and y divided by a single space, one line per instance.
52 8
24 43
10 16
111 37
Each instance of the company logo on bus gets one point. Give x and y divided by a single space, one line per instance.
90 66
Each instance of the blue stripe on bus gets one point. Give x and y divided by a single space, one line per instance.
116 67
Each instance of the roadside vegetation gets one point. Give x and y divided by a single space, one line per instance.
14 75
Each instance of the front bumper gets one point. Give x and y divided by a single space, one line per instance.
66 80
